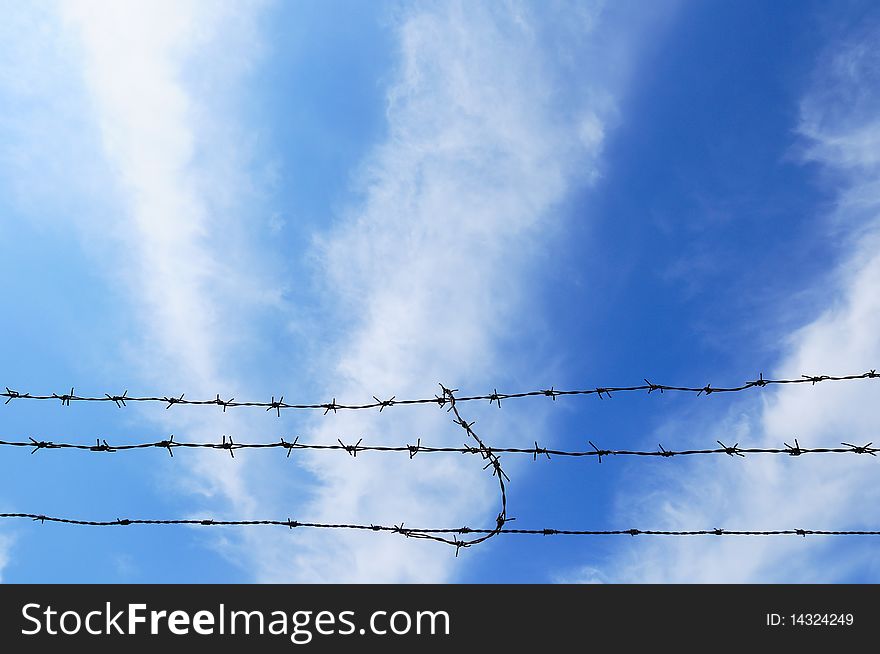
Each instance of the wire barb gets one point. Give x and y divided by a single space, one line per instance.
760 381
228 445
167 444
796 450
276 405
731 451
11 395
173 400
540 450
118 400
65 399
101 446
414 449
551 393
285 444
381 403
39 445
862 449
599 453
351 449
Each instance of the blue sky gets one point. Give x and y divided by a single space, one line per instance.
350 199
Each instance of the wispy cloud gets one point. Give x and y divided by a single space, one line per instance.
841 132
429 275
153 129
155 82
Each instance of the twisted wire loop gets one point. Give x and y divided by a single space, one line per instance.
602 392
445 535
226 443
451 537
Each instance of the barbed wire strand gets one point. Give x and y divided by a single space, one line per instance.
603 392
418 532
229 445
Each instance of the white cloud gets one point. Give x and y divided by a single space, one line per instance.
839 124
152 125
172 242
155 80
430 273
839 116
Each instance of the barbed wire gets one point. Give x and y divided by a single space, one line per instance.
495 397
448 536
450 401
419 532
229 445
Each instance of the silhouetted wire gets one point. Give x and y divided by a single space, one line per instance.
447 399
493 461
495 397
418 532
229 445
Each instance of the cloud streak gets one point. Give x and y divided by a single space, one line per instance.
151 71
429 274
839 128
